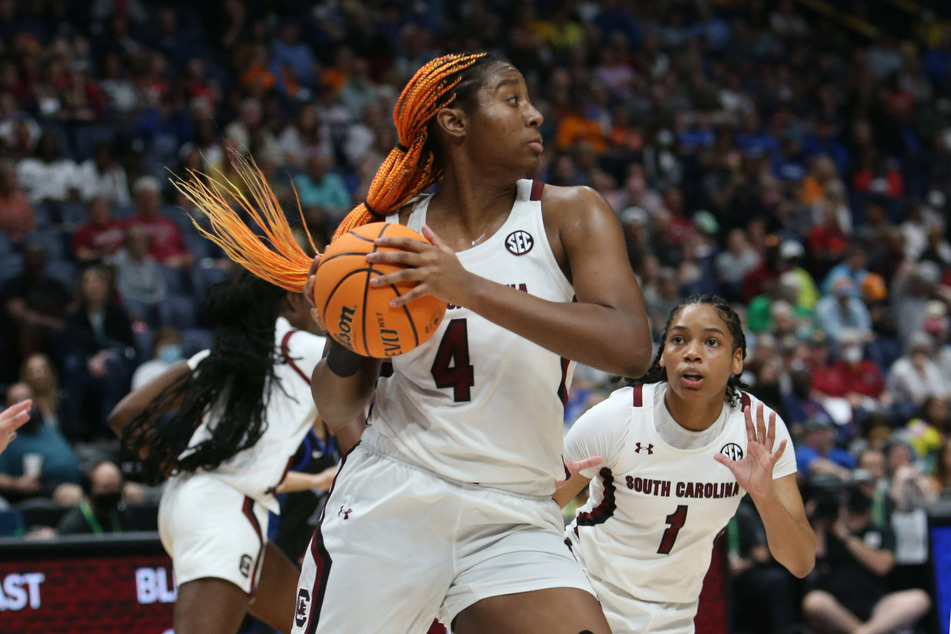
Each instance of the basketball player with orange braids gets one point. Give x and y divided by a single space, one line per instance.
444 508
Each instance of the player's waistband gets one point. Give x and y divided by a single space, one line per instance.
383 446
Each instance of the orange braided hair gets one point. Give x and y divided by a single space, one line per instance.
407 170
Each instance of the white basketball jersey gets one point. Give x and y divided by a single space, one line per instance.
477 403
290 413
654 511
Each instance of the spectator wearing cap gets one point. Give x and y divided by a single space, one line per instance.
167 244
843 309
816 453
915 376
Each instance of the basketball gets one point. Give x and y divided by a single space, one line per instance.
358 315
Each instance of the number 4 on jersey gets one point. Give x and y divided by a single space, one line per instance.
451 366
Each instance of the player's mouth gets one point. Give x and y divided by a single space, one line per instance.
537 146
692 380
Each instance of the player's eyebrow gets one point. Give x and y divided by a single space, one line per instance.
706 329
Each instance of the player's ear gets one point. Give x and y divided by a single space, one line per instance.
736 367
451 121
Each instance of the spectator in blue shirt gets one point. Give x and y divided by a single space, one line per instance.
816 453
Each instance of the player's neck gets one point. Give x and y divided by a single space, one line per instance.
465 214
695 414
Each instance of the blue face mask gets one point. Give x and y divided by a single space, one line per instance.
170 353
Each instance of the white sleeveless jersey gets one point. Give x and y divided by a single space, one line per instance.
654 511
477 403
291 411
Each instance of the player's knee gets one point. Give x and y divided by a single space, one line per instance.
817 602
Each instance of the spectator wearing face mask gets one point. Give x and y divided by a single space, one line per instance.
101 510
166 351
861 380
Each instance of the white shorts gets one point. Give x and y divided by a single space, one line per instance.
210 529
628 615
398 546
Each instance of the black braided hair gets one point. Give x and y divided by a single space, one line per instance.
240 366
656 373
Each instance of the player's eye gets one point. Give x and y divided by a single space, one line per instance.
513 100
677 340
713 343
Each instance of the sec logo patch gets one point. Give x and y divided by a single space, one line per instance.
519 242
732 451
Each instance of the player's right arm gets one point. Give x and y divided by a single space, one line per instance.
342 383
135 402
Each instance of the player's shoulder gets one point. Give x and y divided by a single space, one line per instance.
574 198
616 407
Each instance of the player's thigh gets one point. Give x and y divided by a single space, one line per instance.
628 615
553 611
209 606
274 602
212 530
380 559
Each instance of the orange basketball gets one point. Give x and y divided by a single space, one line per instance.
358 315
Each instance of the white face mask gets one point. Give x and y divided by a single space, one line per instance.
852 354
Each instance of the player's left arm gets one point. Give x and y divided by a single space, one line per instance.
606 327
789 535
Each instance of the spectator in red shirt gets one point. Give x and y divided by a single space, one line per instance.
102 234
168 244
16 212
860 379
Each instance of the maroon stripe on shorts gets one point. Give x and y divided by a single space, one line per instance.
323 563
248 510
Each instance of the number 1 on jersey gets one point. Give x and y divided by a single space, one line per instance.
451 366
675 522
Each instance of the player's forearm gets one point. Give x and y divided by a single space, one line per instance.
792 542
339 399
611 339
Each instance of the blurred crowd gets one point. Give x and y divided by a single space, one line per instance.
797 164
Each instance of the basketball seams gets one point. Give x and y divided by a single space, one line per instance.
347 278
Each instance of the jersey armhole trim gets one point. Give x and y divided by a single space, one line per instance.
286 355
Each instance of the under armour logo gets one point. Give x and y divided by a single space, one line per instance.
649 449
345 512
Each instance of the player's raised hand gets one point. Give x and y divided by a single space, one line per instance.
11 418
754 471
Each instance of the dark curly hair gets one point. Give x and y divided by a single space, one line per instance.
655 373
240 367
